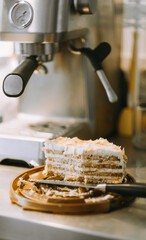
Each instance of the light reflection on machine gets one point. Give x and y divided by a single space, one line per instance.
66 97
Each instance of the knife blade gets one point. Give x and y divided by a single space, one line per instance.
126 189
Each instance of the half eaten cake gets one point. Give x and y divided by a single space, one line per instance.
73 159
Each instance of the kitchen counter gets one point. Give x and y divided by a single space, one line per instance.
125 223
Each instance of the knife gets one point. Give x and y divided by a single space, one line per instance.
126 189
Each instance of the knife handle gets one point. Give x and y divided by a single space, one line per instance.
131 190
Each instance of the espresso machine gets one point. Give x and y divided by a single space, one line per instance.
68 55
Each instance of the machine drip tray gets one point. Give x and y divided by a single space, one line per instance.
23 139
55 128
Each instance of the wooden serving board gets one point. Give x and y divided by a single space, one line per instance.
96 203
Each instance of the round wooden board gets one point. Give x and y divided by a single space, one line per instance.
94 204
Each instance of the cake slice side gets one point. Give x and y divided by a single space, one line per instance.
97 161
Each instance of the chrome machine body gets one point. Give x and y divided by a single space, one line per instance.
64 96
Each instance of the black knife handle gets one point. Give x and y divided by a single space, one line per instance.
131 190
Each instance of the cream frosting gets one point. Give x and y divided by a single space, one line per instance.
75 146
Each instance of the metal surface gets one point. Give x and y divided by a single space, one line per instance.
43 51
100 187
46 14
112 96
50 21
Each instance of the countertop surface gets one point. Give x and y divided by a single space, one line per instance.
125 223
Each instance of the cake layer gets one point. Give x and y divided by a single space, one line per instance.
50 154
83 167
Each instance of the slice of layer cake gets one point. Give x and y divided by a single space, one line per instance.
72 159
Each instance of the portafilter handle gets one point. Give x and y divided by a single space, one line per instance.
15 82
96 56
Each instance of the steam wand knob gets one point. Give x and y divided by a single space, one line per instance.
14 83
96 56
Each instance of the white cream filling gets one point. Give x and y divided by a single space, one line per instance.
102 152
85 169
99 199
71 193
75 146
60 161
